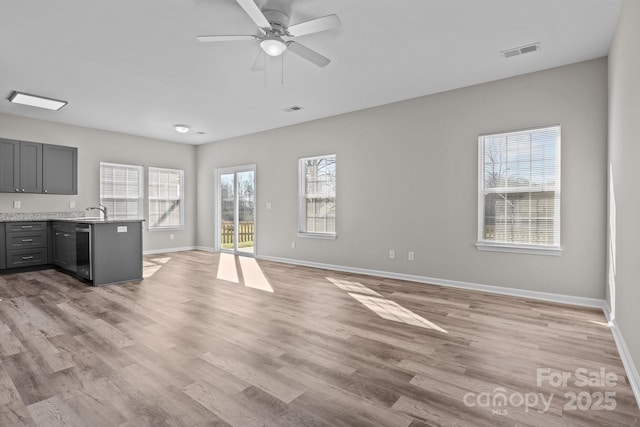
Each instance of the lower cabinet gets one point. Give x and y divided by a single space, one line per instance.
26 257
64 245
25 244
3 250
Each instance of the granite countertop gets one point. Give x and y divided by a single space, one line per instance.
77 216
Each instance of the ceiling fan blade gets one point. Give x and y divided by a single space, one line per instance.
308 54
259 63
315 25
225 38
254 13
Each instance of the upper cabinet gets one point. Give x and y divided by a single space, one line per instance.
9 166
29 167
59 169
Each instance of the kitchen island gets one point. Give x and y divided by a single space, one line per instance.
98 251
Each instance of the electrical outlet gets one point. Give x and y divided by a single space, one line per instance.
268 204
171 236
392 254
17 204
411 256
293 245
72 204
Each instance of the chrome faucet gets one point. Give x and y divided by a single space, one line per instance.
102 208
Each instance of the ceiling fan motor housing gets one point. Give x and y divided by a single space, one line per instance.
279 20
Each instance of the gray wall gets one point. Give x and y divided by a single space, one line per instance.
407 180
95 146
624 157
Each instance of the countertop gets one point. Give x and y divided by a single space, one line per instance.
75 217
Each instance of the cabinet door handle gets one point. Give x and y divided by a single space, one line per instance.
17 190
27 240
23 190
26 258
26 226
46 191
66 235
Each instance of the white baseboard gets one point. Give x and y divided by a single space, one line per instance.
205 248
545 296
625 354
164 251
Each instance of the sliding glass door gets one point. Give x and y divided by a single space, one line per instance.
236 210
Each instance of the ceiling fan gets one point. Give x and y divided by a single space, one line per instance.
275 32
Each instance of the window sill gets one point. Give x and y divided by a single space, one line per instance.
325 236
519 249
176 228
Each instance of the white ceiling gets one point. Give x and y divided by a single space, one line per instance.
135 66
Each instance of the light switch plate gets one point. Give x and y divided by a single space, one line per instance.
17 204
72 204
268 205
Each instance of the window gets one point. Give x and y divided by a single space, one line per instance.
519 191
121 190
317 215
166 193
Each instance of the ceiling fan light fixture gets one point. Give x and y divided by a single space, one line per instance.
273 46
182 128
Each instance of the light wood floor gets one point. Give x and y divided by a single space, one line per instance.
186 348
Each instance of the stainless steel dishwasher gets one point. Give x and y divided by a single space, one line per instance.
83 251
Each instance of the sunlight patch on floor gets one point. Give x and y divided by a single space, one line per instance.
151 266
384 308
391 310
348 286
227 268
253 275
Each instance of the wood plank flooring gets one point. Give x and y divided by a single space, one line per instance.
297 347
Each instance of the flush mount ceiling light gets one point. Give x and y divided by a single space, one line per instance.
36 101
182 128
273 45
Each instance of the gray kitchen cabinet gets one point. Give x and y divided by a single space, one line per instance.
3 251
59 169
9 165
26 244
20 166
64 245
30 167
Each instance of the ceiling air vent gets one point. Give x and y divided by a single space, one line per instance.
534 47
292 109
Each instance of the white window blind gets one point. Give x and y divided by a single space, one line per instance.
519 189
317 210
121 190
166 193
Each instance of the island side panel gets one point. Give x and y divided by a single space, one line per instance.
117 255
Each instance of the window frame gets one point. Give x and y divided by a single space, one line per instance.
302 199
140 199
526 248
180 226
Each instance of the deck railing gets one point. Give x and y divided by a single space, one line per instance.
245 232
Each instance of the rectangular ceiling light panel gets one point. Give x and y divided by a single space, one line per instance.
36 101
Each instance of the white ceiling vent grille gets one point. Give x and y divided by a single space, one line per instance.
292 109
534 47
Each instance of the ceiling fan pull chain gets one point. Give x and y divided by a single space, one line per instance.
282 70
